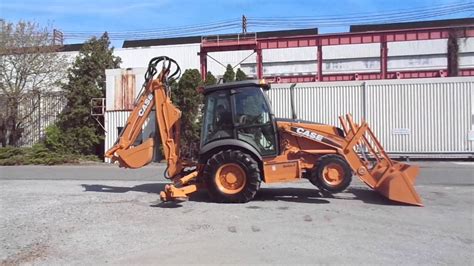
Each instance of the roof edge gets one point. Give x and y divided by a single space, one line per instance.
413 25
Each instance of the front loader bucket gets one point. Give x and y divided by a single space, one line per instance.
397 183
371 163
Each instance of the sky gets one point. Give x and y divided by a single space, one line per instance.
119 15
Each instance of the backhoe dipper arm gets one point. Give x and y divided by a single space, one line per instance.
156 93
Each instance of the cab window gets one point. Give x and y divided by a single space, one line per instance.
252 120
218 119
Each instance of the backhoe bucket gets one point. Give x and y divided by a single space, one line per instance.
138 156
371 163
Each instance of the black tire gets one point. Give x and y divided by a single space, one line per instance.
318 175
248 166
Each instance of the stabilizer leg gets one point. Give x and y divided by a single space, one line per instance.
179 190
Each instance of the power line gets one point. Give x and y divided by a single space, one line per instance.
160 32
224 26
366 14
371 18
416 17
215 23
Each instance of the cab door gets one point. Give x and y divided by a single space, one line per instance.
253 120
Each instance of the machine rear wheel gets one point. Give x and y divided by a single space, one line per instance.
231 176
332 174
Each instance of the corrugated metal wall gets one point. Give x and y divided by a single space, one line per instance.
429 116
184 54
318 102
353 58
113 120
422 116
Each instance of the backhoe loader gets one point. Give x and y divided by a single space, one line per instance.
243 144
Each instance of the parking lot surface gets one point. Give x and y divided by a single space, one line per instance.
100 214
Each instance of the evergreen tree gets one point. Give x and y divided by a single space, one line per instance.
189 101
229 74
240 75
210 79
80 133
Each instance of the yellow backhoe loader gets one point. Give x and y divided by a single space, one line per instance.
243 144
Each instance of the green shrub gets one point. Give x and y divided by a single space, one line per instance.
53 140
39 154
10 152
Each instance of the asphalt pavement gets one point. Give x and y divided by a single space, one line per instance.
101 214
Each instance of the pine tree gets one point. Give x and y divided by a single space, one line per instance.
80 133
240 75
229 74
210 79
189 101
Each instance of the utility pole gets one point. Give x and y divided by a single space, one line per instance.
58 37
244 24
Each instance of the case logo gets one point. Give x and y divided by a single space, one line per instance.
307 133
145 105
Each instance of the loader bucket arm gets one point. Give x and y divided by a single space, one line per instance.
155 94
370 162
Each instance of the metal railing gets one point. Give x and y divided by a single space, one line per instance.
224 39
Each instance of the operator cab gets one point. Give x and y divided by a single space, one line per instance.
239 111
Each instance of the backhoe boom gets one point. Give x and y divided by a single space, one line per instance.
156 94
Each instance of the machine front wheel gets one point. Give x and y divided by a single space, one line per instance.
231 176
332 174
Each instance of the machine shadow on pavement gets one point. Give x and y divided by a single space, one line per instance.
371 197
290 194
147 188
302 195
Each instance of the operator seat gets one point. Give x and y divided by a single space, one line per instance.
223 124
